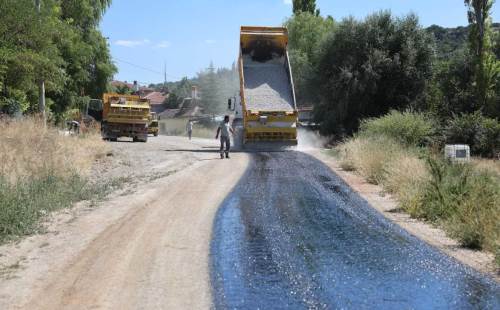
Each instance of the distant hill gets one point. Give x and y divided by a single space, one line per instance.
449 40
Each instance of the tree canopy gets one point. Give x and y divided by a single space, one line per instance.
308 6
357 69
64 48
486 64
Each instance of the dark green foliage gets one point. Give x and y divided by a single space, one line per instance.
122 89
62 46
486 66
448 40
306 33
454 77
481 133
366 68
451 40
28 51
173 101
308 6
407 128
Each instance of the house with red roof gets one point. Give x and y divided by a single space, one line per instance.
156 99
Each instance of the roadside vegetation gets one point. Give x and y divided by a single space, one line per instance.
400 152
59 44
42 170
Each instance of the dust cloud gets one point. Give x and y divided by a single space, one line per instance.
309 139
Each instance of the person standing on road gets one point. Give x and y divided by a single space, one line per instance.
224 130
189 128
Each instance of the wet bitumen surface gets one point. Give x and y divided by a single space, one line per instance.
293 235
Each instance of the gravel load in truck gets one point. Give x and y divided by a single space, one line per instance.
267 85
265 113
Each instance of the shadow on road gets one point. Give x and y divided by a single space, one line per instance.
209 151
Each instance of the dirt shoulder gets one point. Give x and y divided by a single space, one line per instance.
145 247
387 206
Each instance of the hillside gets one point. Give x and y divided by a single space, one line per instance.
449 40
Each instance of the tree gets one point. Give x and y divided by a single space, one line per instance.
306 33
454 79
209 89
183 88
28 53
487 67
172 101
305 6
364 69
65 50
87 53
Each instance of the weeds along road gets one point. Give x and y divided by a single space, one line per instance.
269 230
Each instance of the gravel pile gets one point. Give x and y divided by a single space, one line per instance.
267 87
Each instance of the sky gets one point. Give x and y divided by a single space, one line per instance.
145 36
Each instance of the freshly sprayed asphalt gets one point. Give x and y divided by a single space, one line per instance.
293 235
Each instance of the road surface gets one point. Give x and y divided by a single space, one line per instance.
309 242
192 231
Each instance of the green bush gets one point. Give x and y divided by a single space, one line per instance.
476 220
444 191
465 200
408 128
481 133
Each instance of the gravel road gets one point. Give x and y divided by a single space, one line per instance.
147 249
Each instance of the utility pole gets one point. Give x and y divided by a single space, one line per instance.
41 82
165 77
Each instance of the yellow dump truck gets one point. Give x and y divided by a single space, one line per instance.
125 116
153 124
265 110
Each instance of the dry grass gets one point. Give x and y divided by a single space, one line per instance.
463 199
405 177
369 156
383 161
27 148
42 170
490 165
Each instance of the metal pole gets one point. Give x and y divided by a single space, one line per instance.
41 82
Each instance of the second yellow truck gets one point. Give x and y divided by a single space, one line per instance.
125 116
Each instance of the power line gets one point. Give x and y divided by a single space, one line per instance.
146 69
